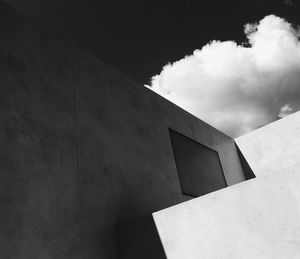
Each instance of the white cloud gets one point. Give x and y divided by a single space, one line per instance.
284 111
237 88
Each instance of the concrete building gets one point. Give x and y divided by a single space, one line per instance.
87 155
255 219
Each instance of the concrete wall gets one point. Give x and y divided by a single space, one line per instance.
258 218
83 149
273 148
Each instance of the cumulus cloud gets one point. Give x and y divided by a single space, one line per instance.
238 88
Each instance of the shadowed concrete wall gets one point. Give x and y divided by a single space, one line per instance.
83 149
258 218
274 147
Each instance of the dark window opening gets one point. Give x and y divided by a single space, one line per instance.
198 166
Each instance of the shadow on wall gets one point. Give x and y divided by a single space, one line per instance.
246 168
139 239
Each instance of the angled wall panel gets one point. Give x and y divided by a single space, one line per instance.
258 218
274 147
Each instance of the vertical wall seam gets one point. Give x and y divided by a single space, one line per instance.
76 119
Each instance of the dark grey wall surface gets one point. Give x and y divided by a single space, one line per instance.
83 149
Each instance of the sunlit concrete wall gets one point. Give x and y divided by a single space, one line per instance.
258 218
274 147
254 219
83 149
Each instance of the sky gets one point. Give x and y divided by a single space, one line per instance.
148 39
139 37
238 87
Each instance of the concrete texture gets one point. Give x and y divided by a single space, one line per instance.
258 218
274 147
83 149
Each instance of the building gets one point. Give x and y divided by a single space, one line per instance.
87 155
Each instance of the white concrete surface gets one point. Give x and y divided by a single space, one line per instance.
273 148
259 218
